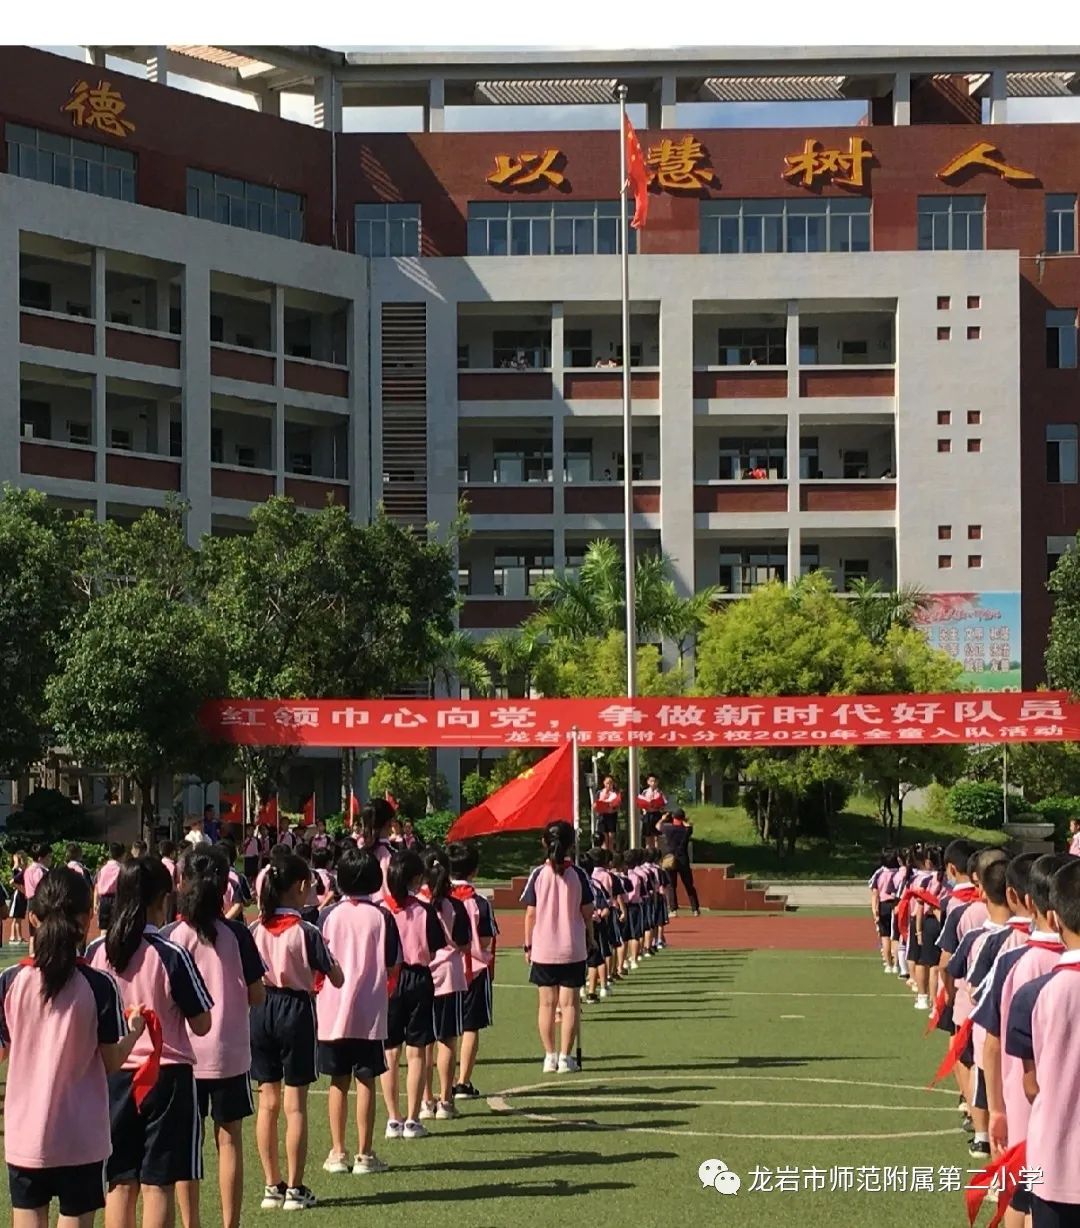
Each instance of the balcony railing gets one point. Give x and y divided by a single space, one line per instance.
723 383
607 497
494 613
860 495
851 381
741 496
149 471
54 331
44 458
502 499
231 362
315 493
606 383
248 485
505 384
142 345
309 375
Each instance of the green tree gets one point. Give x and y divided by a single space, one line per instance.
878 611
1063 646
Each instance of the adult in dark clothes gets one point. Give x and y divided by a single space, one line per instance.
675 833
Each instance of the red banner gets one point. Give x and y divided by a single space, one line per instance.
818 720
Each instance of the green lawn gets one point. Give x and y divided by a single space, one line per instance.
758 1058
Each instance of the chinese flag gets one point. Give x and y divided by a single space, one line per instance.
268 814
637 177
540 794
354 808
232 807
391 801
309 811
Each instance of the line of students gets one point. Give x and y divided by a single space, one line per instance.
992 938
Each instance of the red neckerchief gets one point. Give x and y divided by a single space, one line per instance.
1039 945
394 906
463 892
145 1078
935 1014
1066 968
281 922
998 1174
1021 924
967 894
952 1056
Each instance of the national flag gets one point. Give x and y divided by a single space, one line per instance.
309 811
391 801
541 794
231 808
268 813
637 177
354 809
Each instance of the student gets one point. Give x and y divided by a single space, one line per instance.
254 848
660 908
138 849
62 1026
1042 1034
18 898
635 907
225 954
449 980
1074 837
652 803
883 896
73 859
622 887
558 936
476 1008
596 984
322 878
375 820
156 1136
411 1014
238 893
35 872
606 809
352 1020
928 912
283 1028
319 839
105 886
611 884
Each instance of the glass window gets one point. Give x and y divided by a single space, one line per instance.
752 459
69 163
746 570
752 347
951 223
1061 222
544 228
387 230
515 462
248 206
516 575
1061 337
1061 453
577 460
521 349
810 225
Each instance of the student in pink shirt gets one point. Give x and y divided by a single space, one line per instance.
155 1129
18 901
229 962
411 1013
353 1019
62 1025
448 975
35 872
652 803
635 908
1074 837
476 1006
105 886
606 809
558 935
73 858
283 1030
376 819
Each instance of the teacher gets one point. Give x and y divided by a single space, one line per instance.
675 833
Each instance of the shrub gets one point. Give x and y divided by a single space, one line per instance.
48 815
474 789
936 807
1058 810
977 803
433 828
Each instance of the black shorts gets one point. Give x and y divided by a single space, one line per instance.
929 954
885 917
607 824
283 1045
602 950
967 1058
1021 1199
650 820
561 976
1054 1214
366 1059
225 1100
476 1005
410 1018
251 868
80 1188
980 1088
448 1020
105 912
18 913
615 931
161 1143
635 920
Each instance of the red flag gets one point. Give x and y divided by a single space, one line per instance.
231 808
540 794
391 801
637 177
309 811
268 813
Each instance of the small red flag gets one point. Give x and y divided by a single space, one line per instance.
539 795
268 813
637 177
309 811
391 801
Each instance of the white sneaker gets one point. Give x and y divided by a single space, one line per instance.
363 1165
551 1063
603 991
567 1064
446 1111
922 1002
337 1162
299 1199
887 969
273 1197
394 1129
427 1110
413 1129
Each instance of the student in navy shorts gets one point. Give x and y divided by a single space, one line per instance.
477 1010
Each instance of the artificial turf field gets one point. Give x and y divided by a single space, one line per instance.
767 1058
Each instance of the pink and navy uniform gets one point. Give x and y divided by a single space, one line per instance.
237 891
160 1141
476 1005
223 1055
1074 845
32 877
283 1029
559 936
449 967
1042 1028
105 886
411 1018
352 1020
56 1110
987 950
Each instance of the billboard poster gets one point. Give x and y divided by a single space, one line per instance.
982 632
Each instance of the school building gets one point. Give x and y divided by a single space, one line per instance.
853 348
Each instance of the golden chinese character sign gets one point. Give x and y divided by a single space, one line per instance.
984 156
99 107
528 168
814 163
679 166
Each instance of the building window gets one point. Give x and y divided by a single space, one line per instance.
974 302
120 439
944 561
78 432
974 532
944 445
751 347
464 581
637 468
974 332
944 302
951 223
974 560
974 445
742 458
856 464
944 417
69 163
1055 548
835 224
521 348
516 575
577 460
974 417
387 230
1061 453
250 206
517 462
176 438
35 420
747 570
1060 222
944 532
944 333
545 228
1061 337
852 570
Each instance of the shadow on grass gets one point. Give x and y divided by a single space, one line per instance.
535 1189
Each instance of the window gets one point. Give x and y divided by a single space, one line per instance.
1061 453
739 458
463 357
944 302
744 571
70 163
974 532
35 294
300 463
521 347
516 575
974 417
1061 337
637 467
854 569
1060 222
752 347
944 560
249 206
974 560
217 328
944 532
35 420
78 432
577 460
808 345
951 223
837 224
176 438
217 446
545 228
463 467
518 462
577 347
464 581
974 332
943 334
1055 548
120 439
854 351
856 464
974 445
944 445
387 230
974 302
944 417
809 459
245 457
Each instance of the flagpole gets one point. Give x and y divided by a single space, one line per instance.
628 469
575 785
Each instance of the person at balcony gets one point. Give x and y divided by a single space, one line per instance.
675 833
758 474
608 364
606 809
608 476
652 804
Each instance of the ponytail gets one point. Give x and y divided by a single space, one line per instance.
283 872
375 818
62 905
204 873
141 883
404 869
558 841
437 873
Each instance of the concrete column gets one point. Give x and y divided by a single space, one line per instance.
99 430
9 371
794 544
360 427
95 56
328 104
794 551
999 94
435 111
442 412
901 101
157 65
97 299
676 429
269 102
162 305
371 323
792 349
667 101
195 398
277 344
558 434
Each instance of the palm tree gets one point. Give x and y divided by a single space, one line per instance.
455 658
513 655
877 611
